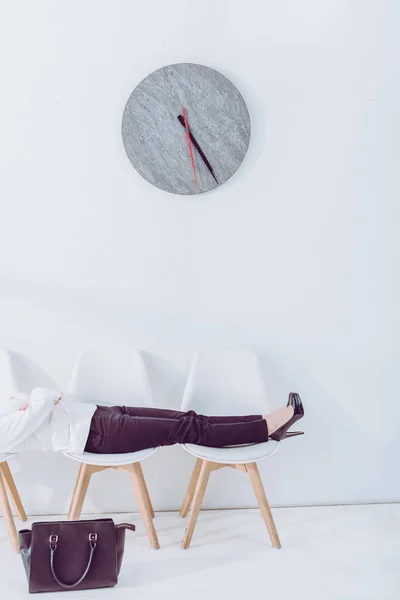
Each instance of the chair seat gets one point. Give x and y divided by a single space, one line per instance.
111 460
233 455
5 457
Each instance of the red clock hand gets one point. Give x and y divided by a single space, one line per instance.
189 144
199 150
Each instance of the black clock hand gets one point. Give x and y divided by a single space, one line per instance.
199 150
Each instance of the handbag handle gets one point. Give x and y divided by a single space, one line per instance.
53 540
126 526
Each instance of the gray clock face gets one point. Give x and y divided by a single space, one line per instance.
186 128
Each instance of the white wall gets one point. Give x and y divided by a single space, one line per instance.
296 256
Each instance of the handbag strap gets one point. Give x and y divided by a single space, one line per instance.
53 541
125 526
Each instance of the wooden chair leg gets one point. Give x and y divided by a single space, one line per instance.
138 488
80 490
7 516
74 492
201 486
191 489
259 491
12 490
146 491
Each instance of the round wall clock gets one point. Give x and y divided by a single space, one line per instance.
186 128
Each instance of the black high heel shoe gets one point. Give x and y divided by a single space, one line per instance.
298 412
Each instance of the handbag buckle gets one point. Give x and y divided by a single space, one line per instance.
53 539
92 537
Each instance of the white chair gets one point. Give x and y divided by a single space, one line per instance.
18 373
225 384
111 378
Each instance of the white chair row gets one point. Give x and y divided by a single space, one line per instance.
228 383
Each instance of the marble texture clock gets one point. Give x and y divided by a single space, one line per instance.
186 128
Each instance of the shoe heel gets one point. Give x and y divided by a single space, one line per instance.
298 412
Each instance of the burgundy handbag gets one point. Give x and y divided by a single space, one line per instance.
73 555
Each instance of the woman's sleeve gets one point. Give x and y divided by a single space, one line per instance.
15 428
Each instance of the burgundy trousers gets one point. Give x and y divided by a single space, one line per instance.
119 429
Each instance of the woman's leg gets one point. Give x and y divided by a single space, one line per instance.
141 411
115 431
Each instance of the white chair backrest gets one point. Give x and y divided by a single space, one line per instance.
18 373
112 377
226 383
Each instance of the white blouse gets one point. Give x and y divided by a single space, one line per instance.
44 425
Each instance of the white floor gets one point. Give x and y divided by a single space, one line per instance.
328 553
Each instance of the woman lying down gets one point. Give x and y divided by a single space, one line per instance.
44 420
